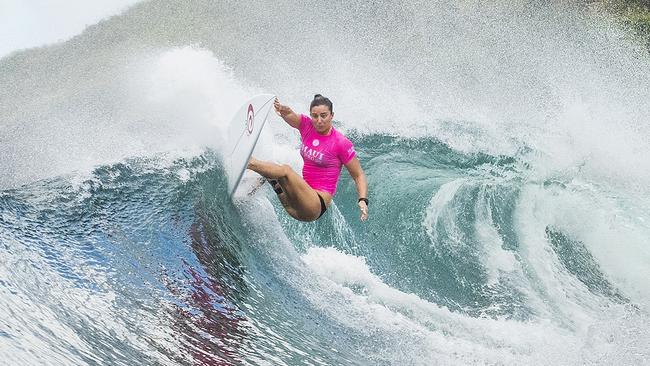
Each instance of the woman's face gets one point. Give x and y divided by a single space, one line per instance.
321 118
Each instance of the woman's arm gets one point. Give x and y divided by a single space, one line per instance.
356 172
287 114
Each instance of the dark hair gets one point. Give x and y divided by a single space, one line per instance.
321 100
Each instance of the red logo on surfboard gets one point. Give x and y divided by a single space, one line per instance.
250 117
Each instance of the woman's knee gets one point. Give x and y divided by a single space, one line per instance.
286 170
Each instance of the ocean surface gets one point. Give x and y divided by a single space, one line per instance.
506 148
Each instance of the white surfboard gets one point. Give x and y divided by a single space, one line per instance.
243 133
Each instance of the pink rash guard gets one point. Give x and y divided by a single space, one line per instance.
323 156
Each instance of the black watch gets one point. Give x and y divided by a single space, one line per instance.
364 200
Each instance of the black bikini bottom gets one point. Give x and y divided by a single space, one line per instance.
323 208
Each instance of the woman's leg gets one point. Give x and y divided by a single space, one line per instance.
298 198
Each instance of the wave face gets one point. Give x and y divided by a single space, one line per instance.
505 151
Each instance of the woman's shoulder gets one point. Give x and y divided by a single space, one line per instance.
305 124
339 136
342 145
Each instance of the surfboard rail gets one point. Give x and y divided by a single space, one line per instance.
243 132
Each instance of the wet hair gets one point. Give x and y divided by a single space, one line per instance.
321 100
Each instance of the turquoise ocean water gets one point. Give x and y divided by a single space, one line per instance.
506 152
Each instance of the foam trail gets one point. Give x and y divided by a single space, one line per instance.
474 338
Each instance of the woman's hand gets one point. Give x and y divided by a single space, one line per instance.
287 114
364 210
282 110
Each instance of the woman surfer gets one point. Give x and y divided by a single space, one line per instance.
324 150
